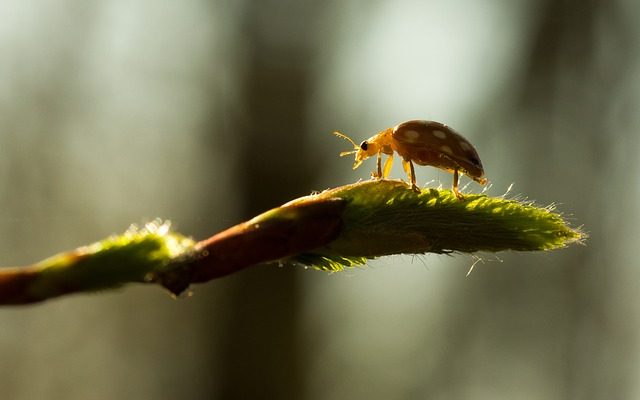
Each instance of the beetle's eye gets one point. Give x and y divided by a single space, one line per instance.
364 145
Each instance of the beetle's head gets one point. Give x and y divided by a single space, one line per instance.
362 151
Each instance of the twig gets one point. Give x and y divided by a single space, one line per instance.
332 230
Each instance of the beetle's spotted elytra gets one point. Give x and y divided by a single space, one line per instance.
423 143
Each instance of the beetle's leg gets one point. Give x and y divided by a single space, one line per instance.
413 179
455 185
411 173
387 166
407 169
379 173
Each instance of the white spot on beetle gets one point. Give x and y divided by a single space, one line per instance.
446 149
410 135
464 146
439 134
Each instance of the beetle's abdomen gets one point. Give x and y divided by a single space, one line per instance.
433 143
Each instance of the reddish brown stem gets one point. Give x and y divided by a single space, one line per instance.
295 228
14 284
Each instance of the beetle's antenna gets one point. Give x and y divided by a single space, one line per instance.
345 137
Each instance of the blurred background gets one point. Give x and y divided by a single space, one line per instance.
209 112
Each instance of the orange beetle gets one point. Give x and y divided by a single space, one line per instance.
422 142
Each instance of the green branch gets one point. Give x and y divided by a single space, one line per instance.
332 230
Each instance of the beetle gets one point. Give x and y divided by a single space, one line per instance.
424 143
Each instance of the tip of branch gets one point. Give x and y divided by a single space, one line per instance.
386 217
